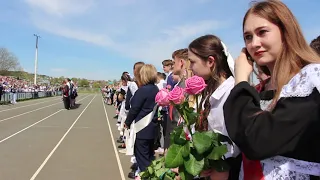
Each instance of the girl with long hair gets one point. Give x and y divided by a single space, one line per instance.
277 129
210 59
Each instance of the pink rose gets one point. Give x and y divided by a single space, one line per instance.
162 97
168 87
177 95
195 85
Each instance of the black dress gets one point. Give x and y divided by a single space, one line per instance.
286 140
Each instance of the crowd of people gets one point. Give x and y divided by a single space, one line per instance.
12 86
273 126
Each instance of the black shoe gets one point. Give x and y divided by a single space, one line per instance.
116 117
134 167
120 141
122 146
131 175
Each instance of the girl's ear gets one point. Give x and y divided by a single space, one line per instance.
211 61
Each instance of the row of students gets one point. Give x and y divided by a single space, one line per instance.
274 127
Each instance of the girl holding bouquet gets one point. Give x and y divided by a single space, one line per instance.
210 59
278 128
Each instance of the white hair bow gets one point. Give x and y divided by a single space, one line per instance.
229 58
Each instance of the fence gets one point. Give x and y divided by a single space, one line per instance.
7 96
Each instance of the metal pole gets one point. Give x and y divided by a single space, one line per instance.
36 60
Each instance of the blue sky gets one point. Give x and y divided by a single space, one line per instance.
99 39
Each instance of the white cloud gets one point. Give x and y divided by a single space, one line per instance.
151 42
75 33
61 7
158 49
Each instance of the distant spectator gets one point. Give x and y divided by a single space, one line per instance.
315 45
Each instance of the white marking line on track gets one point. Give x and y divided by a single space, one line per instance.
27 105
55 148
29 126
113 143
31 111
1 141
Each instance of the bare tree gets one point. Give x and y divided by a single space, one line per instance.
8 61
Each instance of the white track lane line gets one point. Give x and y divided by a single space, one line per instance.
55 148
113 143
31 111
29 126
27 105
1 141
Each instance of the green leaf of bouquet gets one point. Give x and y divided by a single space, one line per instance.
186 150
201 141
194 164
168 177
144 174
174 156
158 166
160 172
150 170
215 137
184 175
192 117
217 152
179 137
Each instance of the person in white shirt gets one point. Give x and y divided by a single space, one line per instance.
161 80
210 59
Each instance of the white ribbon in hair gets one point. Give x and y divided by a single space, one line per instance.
229 58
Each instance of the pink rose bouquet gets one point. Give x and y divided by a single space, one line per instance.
177 95
162 98
195 85
191 151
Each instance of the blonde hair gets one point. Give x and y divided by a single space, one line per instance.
295 52
136 69
148 74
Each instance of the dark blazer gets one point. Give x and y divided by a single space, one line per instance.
142 103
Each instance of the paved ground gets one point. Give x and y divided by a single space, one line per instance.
39 140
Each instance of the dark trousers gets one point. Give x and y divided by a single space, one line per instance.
144 153
170 125
159 133
66 102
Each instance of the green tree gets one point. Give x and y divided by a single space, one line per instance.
96 85
83 83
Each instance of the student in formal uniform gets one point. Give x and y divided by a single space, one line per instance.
143 103
65 94
211 60
278 128
180 66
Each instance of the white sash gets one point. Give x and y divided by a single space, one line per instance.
137 127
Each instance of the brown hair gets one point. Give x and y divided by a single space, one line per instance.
167 62
180 53
315 45
295 52
148 74
203 47
136 69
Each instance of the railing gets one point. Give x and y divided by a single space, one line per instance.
7 96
